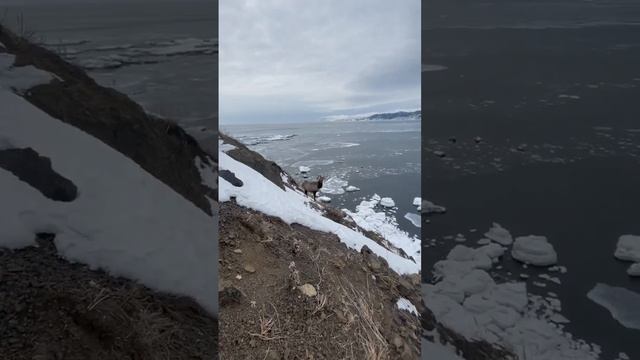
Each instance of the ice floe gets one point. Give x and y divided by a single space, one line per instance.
324 199
467 300
366 216
622 303
352 188
387 202
417 201
304 169
634 269
428 207
334 185
499 234
628 248
534 250
415 219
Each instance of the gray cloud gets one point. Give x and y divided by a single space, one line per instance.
287 60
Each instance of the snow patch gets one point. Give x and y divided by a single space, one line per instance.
22 78
130 225
291 206
405 304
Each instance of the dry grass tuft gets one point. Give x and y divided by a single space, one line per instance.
362 316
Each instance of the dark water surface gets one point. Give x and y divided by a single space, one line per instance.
560 78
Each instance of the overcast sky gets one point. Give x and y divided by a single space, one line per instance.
291 60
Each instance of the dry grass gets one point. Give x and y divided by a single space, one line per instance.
130 322
361 315
269 326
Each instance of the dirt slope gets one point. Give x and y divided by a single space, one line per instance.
53 310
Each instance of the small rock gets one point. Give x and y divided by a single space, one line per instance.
397 342
239 277
308 290
237 251
249 268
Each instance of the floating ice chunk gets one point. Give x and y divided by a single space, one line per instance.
352 188
628 248
634 270
534 250
484 241
621 303
385 224
499 234
334 186
623 356
430 208
417 201
324 199
405 304
387 202
304 169
439 153
414 219
550 278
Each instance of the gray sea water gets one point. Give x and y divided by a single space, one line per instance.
378 157
552 88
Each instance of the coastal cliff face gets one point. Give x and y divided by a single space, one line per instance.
290 289
87 180
159 146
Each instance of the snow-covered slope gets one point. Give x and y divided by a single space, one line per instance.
260 194
124 220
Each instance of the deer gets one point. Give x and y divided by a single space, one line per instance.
312 186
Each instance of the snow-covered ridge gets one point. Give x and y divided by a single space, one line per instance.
130 225
373 116
291 206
